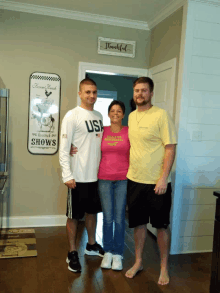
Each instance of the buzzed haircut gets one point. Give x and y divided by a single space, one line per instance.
144 79
119 103
88 81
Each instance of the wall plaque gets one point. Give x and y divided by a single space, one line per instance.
44 113
116 47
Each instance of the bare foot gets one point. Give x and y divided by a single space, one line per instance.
164 277
134 270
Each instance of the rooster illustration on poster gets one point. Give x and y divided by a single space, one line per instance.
43 110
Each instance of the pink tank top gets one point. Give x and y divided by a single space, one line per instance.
115 155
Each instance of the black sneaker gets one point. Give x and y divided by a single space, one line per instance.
94 249
73 262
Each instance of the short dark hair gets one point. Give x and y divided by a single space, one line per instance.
87 81
144 79
119 103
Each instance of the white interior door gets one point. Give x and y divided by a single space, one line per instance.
163 76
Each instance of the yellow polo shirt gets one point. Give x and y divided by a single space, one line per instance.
149 132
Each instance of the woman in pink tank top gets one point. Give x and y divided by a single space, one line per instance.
112 185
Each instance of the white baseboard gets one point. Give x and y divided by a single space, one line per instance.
34 221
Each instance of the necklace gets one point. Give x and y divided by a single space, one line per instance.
138 121
142 115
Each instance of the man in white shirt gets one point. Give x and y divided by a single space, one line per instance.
82 127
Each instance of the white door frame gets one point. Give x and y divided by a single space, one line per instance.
108 69
171 64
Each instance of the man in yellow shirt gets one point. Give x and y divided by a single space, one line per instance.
153 141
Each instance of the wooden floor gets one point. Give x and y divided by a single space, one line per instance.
48 273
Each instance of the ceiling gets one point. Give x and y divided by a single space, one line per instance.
147 11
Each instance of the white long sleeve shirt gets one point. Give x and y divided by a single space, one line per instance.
83 129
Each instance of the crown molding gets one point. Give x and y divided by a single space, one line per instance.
69 14
102 19
167 11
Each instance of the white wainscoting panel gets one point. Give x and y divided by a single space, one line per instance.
203 115
198 212
209 132
203 164
198 196
202 148
193 245
196 228
206 13
205 65
204 99
204 82
201 179
207 30
207 48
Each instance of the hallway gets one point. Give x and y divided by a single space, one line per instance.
48 273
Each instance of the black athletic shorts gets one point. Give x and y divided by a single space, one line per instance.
144 204
83 199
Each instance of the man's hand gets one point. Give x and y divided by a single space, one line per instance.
73 150
161 186
71 184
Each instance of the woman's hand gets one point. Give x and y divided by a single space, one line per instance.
73 150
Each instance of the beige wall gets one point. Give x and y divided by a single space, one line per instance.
165 39
32 43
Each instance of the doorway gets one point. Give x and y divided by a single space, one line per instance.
119 88
115 80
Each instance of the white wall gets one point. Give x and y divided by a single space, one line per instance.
198 157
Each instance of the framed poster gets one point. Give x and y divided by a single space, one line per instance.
44 113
